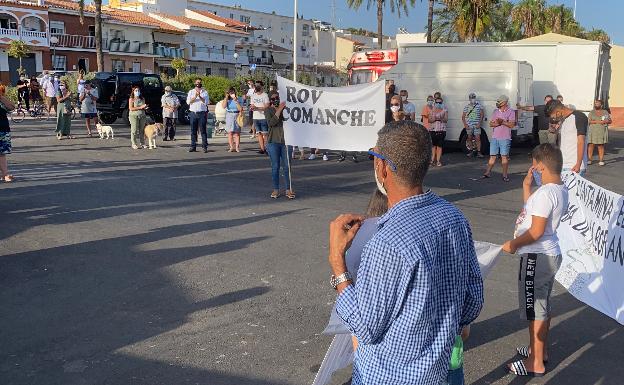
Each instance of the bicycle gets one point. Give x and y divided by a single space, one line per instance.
18 114
39 111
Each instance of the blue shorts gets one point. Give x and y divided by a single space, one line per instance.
89 115
261 125
500 146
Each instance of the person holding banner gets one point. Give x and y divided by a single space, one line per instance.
419 281
536 240
279 153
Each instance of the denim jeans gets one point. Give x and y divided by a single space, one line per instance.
455 377
277 154
198 122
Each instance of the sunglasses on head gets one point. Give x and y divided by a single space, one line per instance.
372 155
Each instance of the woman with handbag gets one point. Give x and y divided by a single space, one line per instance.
234 112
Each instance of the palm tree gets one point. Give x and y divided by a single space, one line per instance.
98 31
501 28
597 35
529 17
397 5
430 20
560 19
463 20
443 26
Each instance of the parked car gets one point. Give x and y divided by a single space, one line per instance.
183 111
114 90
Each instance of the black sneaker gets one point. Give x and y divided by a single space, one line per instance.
341 158
192 149
205 150
354 159
165 139
261 152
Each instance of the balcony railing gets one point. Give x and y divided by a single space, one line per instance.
127 46
260 60
9 32
37 34
74 41
34 38
170 52
219 55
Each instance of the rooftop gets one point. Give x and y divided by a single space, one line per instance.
198 23
225 20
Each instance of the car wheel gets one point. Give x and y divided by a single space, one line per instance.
107 118
183 117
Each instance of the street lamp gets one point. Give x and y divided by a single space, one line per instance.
236 60
54 41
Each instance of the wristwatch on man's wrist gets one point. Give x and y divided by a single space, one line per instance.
337 280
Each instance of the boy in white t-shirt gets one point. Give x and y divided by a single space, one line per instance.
536 240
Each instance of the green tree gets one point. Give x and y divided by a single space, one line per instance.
443 26
178 64
472 17
529 17
597 35
430 19
395 5
501 28
560 19
19 50
98 30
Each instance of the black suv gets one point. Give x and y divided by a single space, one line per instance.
114 91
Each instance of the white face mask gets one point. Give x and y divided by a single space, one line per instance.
380 185
395 108
404 98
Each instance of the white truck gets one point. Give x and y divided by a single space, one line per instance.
577 69
457 79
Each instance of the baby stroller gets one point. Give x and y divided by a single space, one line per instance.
219 127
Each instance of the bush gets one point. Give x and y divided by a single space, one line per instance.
11 93
215 85
72 80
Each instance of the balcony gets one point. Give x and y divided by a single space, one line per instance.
260 60
127 46
33 38
218 56
74 41
169 52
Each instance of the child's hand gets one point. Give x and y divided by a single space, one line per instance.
509 248
528 178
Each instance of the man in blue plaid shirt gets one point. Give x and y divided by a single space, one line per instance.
418 282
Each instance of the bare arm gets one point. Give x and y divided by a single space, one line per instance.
538 226
464 119
580 152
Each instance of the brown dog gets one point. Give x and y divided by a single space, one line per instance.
151 131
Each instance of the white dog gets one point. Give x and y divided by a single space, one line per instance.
105 130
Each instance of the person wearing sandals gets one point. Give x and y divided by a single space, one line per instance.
6 105
137 117
535 239
279 153
502 121
437 129
88 108
63 114
599 121
233 107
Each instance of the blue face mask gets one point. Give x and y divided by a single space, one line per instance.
137 93
439 105
537 177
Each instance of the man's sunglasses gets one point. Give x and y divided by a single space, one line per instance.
372 154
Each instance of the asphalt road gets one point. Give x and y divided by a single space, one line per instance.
168 267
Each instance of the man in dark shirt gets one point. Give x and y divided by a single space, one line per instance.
391 92
22 91
540 121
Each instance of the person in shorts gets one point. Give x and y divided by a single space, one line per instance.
6 106
535 239
437 129
247 98
260 102
88 105
502 121
472 117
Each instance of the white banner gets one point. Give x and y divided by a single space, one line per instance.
332 118
591 238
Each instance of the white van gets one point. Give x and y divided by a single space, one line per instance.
456 80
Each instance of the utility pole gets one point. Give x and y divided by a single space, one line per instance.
295 47
574 15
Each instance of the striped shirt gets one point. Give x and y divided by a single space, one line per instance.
473 115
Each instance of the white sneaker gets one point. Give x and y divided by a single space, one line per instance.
312 157
325 157
601 163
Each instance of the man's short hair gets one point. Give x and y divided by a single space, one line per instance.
550 156
407 144
196 79
260 82
552 106
549 96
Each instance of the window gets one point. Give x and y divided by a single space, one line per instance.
192 69
245 19
306 30
282 40
118 65
92 30
208 71
223 72
231 16
59 63
57 27
136 67
116 34
264 54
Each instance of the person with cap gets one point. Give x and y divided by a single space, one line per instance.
88 105
170 104
502 121
472 117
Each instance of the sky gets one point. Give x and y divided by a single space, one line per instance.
605 14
